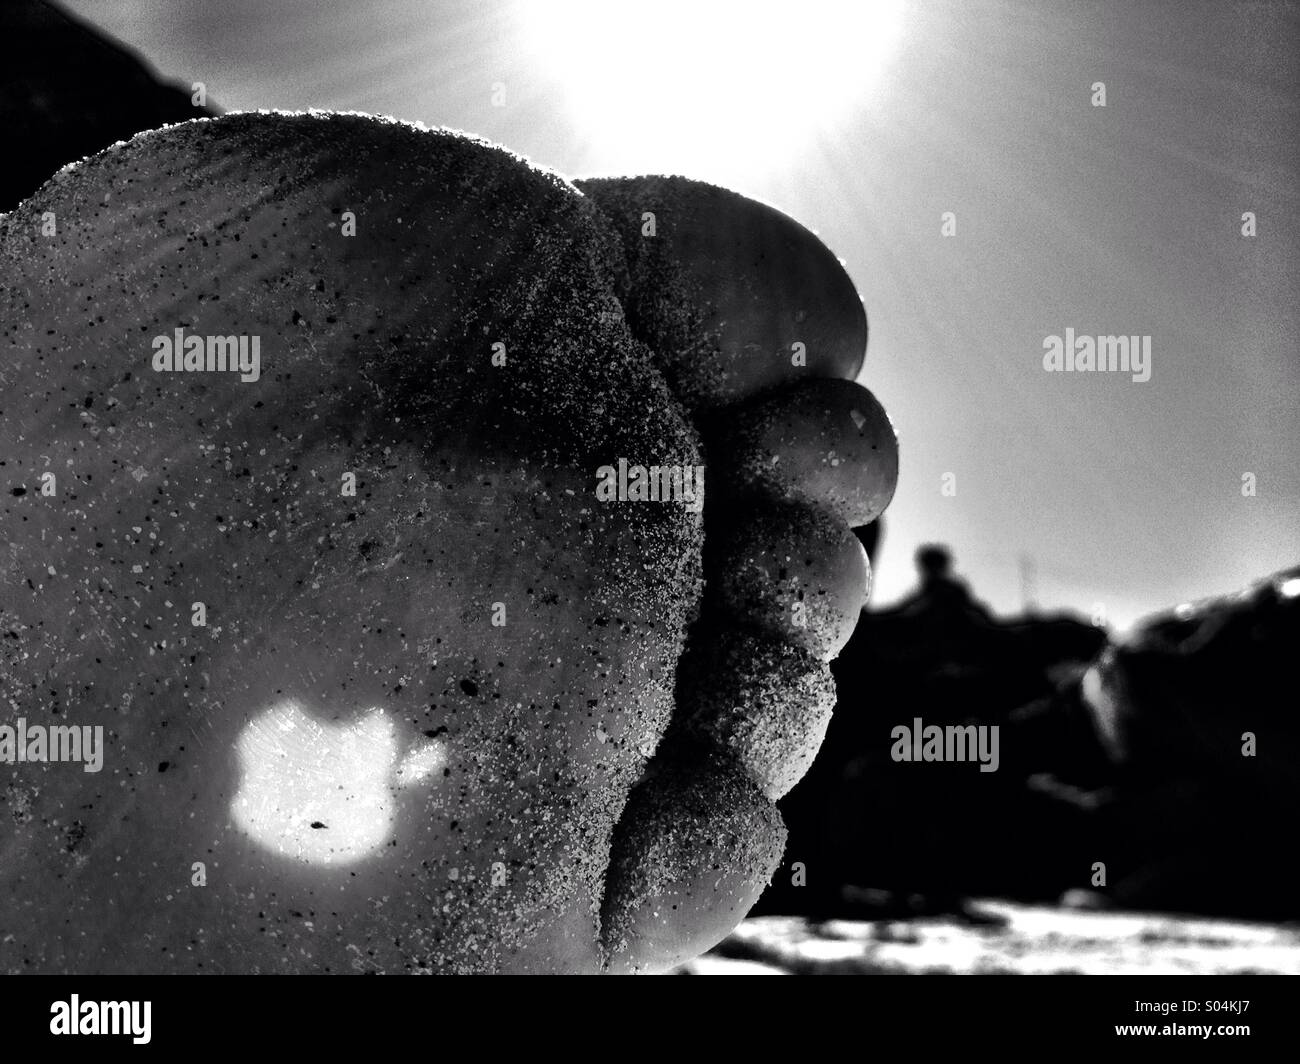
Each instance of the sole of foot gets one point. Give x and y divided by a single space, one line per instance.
310 416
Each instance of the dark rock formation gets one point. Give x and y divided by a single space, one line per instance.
861 818
1197 712
68 91
1137 756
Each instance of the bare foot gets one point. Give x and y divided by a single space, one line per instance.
384 630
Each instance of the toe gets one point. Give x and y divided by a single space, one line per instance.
734 296
695 848
763 702
825 442
792 571
745 309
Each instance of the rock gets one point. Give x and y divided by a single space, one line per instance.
859 818
1114 774
1196 709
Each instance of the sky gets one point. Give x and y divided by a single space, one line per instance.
867 121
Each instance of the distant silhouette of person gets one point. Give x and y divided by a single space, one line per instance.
942 600
934 562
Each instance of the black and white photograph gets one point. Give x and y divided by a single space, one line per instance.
651 487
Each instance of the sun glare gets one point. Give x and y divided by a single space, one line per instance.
709 84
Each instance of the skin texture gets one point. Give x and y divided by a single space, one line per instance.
438 724
701 289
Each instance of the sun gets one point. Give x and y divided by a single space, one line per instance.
710 87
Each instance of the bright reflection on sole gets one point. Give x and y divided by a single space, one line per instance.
321 793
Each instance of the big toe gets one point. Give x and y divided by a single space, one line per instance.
733 296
